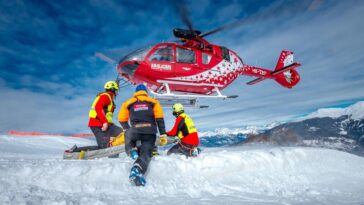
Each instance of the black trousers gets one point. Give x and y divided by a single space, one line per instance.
146 148
181 148
86 148
103 138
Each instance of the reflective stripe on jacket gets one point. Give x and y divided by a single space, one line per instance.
102 109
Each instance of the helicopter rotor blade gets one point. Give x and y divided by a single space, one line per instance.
278 9
113 56
105 58
183 12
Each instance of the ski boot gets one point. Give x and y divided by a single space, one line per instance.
72 149
134 153
196 151
136 177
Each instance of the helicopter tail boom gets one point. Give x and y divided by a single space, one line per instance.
284 73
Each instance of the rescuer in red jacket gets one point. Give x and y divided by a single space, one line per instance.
185 130
101 114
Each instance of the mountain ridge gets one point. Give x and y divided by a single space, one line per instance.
334 128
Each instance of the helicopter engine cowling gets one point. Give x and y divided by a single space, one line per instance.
186 34
288 78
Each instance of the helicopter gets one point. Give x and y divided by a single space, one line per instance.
193 68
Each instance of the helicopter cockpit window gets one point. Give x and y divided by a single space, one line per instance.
185 56
206 58
137 55
163 53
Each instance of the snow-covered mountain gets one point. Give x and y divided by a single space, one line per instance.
32 172
337 128
355 111
227 136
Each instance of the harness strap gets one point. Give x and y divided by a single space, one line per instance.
190 149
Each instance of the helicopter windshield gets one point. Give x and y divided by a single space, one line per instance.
137 55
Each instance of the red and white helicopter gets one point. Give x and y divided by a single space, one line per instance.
195 68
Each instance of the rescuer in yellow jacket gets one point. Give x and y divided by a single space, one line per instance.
183 128
145 115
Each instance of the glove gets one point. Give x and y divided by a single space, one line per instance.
104 126
163 140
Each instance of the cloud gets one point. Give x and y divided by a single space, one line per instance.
328 44
29 111
26 110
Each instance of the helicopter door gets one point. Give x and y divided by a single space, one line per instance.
185 62
161 60
205 60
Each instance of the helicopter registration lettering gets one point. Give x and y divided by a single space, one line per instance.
156 66
260 72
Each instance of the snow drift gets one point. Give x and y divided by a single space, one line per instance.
32 172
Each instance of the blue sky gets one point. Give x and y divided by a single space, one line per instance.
49 74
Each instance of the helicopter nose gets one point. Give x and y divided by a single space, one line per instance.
129 68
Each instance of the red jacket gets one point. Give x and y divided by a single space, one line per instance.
180 128
100 108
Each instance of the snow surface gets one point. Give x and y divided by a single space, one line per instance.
32 172
356 111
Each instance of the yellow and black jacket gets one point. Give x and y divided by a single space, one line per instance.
144 113
102 109
185 129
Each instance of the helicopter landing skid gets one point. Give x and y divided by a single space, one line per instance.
167 97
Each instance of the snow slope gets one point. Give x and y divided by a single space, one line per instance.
32 172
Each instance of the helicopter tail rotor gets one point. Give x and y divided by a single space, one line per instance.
289 77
